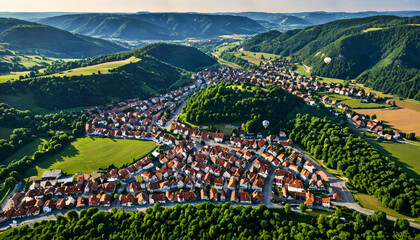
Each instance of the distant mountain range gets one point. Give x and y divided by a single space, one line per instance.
380 51
304 19
33 38
154 26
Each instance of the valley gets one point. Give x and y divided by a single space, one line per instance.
216 127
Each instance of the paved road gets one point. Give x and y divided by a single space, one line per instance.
6 203
174 116
347 199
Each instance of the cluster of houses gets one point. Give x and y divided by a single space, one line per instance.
186 131
373 126
135 118
350 91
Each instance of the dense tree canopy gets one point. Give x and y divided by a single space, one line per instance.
231 102
366 169
208 221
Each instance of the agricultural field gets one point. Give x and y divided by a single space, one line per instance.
255 57
5 132
89 70
403 119
88 154
406 156
29 61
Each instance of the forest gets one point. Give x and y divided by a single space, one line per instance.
209 221
28 127
366 169
139 79
365 49
231 102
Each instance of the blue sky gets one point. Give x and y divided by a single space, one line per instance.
207 5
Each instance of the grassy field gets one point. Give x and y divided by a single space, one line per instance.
402 119
370 202
5 132
103 67
89 154
23 102
406 156
27 102
255 57
354 103
28 61
27 150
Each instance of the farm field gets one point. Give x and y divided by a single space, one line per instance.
406 156
226 63
403 119
89 70
255 57
5 132
89 154
29 61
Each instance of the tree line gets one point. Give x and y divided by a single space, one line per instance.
365 168
28 127
208 221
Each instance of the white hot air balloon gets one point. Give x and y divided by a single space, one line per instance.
327 60
265 123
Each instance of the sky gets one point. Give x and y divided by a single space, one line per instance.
206 5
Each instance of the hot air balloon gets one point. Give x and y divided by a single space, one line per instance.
265 123
327 60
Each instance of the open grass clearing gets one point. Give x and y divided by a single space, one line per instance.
406 156
402 119
27 102
5 132
26 150
89 70
370 202
88 154
355 103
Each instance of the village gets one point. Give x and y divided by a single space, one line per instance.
273 72
192 165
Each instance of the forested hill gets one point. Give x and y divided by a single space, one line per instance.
140 72
154 26
181 56
142 78
378 51
185 57
33 38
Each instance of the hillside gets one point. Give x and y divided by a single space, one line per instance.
188 58
231 102
137 79
154 26
141 73
34 38
377 51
